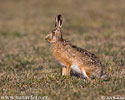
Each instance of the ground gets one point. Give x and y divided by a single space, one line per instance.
26 64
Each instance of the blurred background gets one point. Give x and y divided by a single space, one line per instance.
26 64
81 15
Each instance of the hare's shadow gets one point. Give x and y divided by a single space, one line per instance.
77 75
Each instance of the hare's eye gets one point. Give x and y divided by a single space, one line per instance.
53 32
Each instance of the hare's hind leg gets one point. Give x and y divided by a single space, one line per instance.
85 72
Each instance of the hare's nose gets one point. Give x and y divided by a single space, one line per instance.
46 37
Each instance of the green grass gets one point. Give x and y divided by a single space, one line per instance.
26 64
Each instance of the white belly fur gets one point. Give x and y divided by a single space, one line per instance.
62 64
77 69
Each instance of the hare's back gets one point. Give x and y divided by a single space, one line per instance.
85 57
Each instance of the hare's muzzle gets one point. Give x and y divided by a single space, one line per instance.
48 39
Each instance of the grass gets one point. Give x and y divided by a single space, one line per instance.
26 64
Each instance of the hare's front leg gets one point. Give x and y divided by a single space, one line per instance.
63 71
66 71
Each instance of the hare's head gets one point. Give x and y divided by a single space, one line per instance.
55 35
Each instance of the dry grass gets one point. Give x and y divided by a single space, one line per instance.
26 64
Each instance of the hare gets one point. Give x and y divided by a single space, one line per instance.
72 57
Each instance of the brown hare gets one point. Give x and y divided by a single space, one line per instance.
72 57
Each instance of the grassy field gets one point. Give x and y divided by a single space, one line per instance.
26 64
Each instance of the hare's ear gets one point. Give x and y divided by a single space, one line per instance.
58 21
